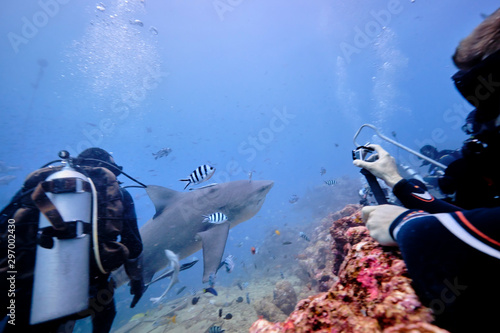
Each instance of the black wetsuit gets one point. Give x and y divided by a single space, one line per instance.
450 273
474 183
101 289
101 303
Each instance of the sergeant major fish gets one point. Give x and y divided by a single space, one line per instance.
303 235
199 175
331 182
215 218
228 262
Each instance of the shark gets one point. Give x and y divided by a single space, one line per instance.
177 225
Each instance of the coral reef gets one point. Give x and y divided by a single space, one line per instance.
284 296
370 293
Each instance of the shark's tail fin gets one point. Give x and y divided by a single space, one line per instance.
186 180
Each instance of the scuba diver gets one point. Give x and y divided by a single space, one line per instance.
449 251
474 178
73 226
445 157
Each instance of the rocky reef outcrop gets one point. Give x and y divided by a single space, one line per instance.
368 289
284 296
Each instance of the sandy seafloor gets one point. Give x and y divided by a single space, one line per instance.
201 316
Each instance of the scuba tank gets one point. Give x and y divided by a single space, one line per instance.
61 276
408 172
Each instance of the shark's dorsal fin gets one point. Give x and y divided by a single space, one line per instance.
214 242
161 197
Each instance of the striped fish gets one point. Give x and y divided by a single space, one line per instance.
199 175
303 235
331 182
215 218
216 329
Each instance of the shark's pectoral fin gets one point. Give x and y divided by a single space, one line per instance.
214 242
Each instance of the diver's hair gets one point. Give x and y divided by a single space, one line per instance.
483 41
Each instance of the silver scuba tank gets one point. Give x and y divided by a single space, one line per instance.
61 276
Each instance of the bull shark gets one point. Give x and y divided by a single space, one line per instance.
178 225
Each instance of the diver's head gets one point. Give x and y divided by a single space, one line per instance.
97 157
429 151
478 59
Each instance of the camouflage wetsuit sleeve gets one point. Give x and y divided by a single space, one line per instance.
130 236
451 257
413 194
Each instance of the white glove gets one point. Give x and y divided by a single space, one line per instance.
384 168
378 219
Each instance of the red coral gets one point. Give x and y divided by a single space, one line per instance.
371 294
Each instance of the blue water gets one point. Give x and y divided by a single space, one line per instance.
274 87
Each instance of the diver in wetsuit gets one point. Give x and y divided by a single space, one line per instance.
445 157
452 254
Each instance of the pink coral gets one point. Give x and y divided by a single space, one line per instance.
372 292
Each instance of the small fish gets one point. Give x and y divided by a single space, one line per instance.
248 298
303 235
229 263
322 171
136 22
215 218
239 285
220 312
228 316
210 290
282 275
138 316
293 199
153 30
192 291
199 175
189 264
253 250
164 152
211 280
331 182
195 300
173 319
216 329
101 7
277 232
181 290
287 243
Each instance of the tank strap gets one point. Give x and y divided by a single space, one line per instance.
61 185
73 230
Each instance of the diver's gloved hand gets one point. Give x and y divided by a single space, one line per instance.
137 288
378 219
384 167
